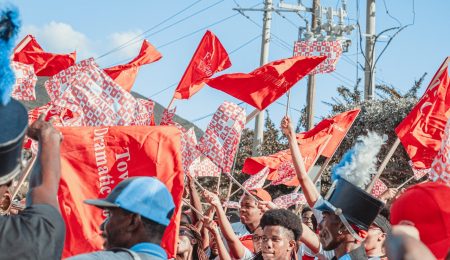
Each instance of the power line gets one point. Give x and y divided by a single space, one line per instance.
138 36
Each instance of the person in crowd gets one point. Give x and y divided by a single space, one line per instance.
426 207
404 243
38 231
281 231
237 249
309 219
190 244
139 210
376 236
343 226
219 246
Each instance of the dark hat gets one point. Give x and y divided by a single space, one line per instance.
358 207
13 126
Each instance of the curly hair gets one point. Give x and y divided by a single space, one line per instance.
284 218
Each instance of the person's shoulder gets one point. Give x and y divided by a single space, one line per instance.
101 255
42 211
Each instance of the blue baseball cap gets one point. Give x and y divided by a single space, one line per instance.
146 196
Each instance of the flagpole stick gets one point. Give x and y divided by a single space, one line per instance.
236 191
171 103
383 164
315 160
192 208
288 101
242 187
228 194
23 177
218 184
198 184
252 115
403 184
232 170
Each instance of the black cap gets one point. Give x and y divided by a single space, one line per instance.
13 126
358 207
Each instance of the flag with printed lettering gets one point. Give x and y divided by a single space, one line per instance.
24 87
203 167
422 129
209 58
289 200
95 159
221 138
286 173
440 168
256 181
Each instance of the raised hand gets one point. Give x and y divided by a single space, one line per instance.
286 126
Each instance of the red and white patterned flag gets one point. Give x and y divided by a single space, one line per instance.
25 82
288 200
378 188
256 181
440 168
331 49
145 114
231 205
203 167
419 173
167 116
189 150
85 89
222 136
286 172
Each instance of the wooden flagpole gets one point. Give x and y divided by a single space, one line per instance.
218 184
240 186
406 182
171 103
192 208
383 164
288 101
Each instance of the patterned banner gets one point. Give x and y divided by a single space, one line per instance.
231 205
189 150
25 82
378 188
204 167
331 49
440 168
288 200
167 116
286 172
419 173
256 181
222 136
85 89
145 114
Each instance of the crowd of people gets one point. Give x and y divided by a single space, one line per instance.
348 224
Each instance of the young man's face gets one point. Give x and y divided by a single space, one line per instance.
375 238
277 243
249 211
307 219
329 235
257 239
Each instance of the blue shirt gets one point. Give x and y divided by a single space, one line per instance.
150 249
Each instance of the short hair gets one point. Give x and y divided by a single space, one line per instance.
283 218
306 209
153 229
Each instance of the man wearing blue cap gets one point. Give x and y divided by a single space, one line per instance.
139 209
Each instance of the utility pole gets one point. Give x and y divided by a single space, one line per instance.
311 92
369 70
259 121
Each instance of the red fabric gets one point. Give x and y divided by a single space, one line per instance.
427 207
422 129
342 123
209 58
44 63
310 144
247 241
125 74
266 84
95 159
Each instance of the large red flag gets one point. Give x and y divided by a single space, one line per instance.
341 124
310 143
95 159
45 64
125 74
422 129
209 58
266 84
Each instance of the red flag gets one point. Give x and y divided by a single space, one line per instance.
266 84
125 74
341 124
45 64
422 129
440 169
95 159
209 58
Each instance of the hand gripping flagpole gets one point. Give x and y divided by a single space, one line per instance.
193 208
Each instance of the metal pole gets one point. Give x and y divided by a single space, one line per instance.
311 92
369 70
259 121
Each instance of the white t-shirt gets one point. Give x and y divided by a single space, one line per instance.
304 250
